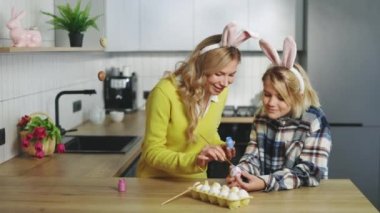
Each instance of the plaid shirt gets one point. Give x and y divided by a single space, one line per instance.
288 153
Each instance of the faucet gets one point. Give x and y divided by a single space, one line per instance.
68 92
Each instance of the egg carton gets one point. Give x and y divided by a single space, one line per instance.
220 195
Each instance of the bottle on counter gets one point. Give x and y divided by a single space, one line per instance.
122 185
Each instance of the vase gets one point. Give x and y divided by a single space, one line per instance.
76 39
48 146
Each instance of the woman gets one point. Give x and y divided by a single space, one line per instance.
290 138
184 110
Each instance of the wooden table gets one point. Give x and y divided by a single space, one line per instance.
54 194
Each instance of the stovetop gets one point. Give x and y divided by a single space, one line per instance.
239 111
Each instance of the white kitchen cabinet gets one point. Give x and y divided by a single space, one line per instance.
355 155
276 19
166 25
122 25
211 17
171 25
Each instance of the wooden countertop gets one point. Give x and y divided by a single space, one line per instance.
60 194
247 120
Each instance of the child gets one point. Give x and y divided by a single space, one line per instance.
290 138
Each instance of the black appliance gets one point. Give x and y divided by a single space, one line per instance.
120 92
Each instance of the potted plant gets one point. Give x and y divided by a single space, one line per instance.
39 135
74 20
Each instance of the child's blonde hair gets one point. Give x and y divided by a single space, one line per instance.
288 87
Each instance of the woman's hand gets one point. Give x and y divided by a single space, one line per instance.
210 153
230 152
253 183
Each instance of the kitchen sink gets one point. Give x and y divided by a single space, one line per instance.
99 144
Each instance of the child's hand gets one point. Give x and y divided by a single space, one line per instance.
235 171
231 179
253 182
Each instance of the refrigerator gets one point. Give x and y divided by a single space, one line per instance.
342 58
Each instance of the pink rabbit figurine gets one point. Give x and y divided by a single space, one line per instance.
20 36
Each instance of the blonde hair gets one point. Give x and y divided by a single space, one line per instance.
288 87
193 73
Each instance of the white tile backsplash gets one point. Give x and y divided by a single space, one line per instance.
150 67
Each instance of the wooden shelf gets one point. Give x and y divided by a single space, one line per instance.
48 49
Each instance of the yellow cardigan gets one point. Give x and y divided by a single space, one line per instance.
165 151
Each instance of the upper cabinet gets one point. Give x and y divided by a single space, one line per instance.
171 25
166 25
276 19
122 28
212 16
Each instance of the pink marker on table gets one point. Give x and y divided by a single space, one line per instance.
122 185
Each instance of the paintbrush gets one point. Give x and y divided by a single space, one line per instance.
180 194
226 159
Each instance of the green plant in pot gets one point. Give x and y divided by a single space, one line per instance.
73 19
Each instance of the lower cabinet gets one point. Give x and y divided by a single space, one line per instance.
355 155
131 171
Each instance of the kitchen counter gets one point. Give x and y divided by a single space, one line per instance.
63 194
84 165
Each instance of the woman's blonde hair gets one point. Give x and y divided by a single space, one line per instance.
288 87
191 76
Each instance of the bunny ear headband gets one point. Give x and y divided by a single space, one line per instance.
288 58
231 37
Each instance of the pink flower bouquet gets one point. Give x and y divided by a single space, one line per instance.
39 135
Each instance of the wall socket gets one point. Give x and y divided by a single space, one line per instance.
77 105
146 94
2 136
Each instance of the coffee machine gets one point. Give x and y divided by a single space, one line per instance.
120 92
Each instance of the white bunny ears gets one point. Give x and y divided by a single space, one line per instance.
288 58
231 37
